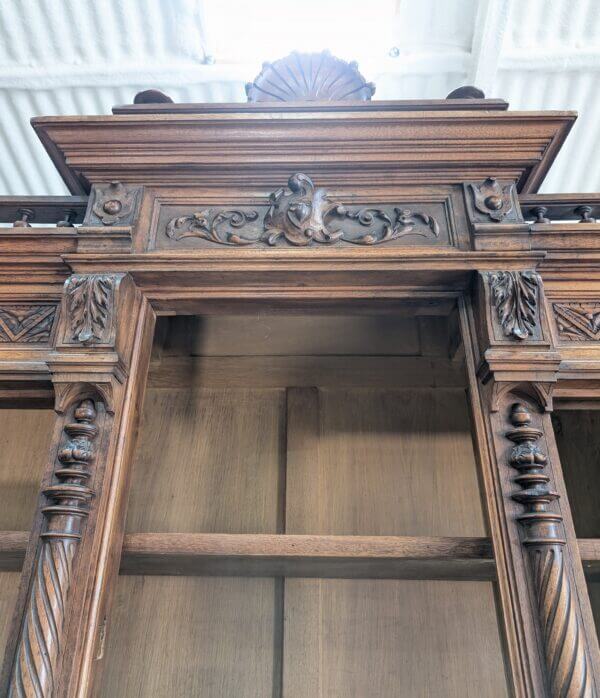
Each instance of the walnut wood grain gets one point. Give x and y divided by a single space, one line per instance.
42 633
307 556
567 658
340 461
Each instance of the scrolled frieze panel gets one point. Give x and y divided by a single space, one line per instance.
304 215
577 321
27 323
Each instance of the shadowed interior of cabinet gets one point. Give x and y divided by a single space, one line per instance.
578 440
305 432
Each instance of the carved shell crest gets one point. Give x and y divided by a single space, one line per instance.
309 77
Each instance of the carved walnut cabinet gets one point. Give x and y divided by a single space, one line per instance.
299 398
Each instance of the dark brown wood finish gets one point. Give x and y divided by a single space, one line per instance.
414 211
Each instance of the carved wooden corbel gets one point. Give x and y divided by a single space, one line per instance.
90 309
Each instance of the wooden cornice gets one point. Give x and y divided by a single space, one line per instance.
341 148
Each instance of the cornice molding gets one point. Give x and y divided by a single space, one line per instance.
209 149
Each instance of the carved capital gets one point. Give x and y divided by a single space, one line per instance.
96 330
514 334
112 203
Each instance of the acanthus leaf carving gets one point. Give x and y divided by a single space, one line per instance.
578 321
302 215
515 297
567 660
89 306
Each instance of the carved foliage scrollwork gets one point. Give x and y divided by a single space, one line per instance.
578 322
31 324
567 660
217 228
515 295
301 215
89 306
68 501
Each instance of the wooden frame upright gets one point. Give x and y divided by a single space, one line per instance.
174 207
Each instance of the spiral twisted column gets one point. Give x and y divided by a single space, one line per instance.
567 659
68 505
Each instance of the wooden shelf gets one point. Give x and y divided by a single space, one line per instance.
252 555
589 549
260 555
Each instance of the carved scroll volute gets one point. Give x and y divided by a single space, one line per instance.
543 537
65 510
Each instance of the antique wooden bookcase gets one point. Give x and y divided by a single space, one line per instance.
311 390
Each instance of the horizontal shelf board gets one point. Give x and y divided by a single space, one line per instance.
12 550
307 371
263 555
255 555
589 549
308 556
